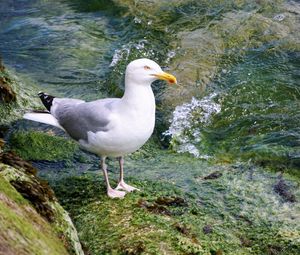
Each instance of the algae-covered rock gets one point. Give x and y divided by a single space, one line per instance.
216 212
35 221
139 224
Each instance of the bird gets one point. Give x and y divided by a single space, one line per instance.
110 127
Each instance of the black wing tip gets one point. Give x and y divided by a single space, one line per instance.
46 99
41 93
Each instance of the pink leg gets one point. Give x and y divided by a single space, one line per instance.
122 185
112 193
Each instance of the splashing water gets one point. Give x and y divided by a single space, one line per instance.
187 121
124 52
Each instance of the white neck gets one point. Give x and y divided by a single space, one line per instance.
137 95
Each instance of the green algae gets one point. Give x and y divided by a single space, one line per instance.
36 145
117 223
6 188
218 198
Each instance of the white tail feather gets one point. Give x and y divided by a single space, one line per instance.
43 118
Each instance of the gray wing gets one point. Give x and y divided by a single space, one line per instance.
78 117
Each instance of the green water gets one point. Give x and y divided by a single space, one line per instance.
235 110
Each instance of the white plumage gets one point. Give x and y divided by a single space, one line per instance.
111 126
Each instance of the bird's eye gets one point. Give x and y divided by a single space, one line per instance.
147 67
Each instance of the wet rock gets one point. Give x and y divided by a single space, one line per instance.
31 146
283 190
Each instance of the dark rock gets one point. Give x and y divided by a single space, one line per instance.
11 159
282 189
7 94
38 194
136 249
214 175
3 130
207 229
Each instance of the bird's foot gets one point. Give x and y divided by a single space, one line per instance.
114 193
123 186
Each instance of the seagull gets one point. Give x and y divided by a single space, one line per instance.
110 127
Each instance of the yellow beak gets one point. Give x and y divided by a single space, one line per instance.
171 79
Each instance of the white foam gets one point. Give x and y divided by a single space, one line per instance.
188 120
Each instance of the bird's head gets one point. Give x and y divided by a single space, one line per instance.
145 71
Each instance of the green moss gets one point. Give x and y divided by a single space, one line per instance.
42 146
28 232
41 197
115 224
223 217
6 188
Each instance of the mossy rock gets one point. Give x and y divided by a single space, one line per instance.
40 212
22 229
138 224
163 219
36 145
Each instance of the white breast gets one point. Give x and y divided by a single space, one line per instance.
131 125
